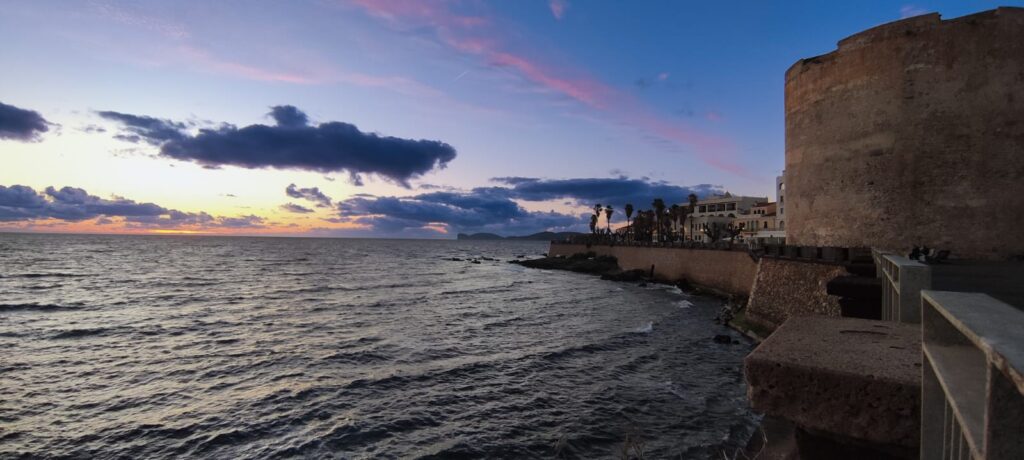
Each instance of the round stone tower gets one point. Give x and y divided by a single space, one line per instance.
911 133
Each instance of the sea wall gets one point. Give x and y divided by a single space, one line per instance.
911 134
731 272
776 287
784 288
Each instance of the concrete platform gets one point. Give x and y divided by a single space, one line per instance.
852 378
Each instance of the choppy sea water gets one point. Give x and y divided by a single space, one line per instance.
169 347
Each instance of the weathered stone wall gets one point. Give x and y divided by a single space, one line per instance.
785 288
911 133
730 272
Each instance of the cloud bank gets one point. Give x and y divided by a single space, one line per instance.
454 212
497 209
20 203
21 124
589 191
292 143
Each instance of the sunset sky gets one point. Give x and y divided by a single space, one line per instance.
395 118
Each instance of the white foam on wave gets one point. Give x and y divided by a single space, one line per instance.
684 304
646 328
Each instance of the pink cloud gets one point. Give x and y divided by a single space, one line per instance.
476 35
589 92
714 116
205 60
558 8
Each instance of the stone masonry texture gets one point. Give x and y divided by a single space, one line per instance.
785 288
856 378
911 133
731 272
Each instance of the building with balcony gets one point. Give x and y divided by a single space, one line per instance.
717 212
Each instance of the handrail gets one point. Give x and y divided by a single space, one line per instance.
902 281
972 388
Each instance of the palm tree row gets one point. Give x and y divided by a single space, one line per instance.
661 223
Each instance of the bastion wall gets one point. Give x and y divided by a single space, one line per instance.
775 288
911 133
784 288
731 272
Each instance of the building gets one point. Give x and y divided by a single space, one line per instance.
780 200
761 225
715 213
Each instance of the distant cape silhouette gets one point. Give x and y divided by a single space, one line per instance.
542 236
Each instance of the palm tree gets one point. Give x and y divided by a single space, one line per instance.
674 213
608 211
692 198
598 209
629 213
659 209
593 223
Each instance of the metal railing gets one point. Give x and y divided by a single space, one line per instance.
902 281
972 386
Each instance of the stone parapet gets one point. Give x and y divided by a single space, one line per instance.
853 379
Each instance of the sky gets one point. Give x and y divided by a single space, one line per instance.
395 118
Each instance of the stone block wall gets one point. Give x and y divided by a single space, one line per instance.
785 288
911 133
731 272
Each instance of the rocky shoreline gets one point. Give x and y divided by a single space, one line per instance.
607 268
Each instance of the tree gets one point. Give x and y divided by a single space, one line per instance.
608 211
659 210
593 223
629 213
716 232
692 199
598 209
674 213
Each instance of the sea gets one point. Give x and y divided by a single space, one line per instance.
163 347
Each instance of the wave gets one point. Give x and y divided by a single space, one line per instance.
7 307
646 328
45 275
78 333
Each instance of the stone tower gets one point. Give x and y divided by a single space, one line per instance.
911 133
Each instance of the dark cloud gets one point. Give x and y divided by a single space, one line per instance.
151 130
312 194
589 191
298 209
75 204
19 202
23 203
21 124
288 116
292 144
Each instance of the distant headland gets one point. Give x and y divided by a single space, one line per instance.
542 236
